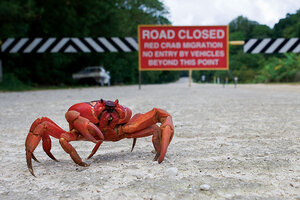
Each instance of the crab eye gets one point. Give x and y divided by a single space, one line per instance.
102 102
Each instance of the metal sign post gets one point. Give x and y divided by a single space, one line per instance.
190 78
140 79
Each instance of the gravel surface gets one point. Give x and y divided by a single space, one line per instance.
229 143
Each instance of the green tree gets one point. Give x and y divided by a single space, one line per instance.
243 25
289 26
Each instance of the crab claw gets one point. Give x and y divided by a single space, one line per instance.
92 127
84 126
167 135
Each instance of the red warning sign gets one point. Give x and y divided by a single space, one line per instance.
183 47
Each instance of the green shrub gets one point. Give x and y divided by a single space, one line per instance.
286 69
11 83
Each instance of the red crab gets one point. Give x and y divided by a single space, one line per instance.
99 121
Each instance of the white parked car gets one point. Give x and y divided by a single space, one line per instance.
96 73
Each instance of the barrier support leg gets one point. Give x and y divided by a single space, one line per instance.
140 79
190 77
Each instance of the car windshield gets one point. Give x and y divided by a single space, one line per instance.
88 70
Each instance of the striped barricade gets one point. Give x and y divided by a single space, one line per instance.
270 46
69 45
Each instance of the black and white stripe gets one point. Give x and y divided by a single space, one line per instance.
69 45
269 46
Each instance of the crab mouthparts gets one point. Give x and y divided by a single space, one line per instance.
110 109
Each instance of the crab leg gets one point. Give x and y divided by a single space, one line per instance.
153 130
131 120
64 142
41 129
95 149
47 146
133 144
144 121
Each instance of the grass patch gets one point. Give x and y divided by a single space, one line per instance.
11 83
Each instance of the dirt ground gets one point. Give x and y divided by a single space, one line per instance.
229 143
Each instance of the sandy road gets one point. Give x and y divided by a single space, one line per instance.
243 143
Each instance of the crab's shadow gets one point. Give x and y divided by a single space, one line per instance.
124 156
